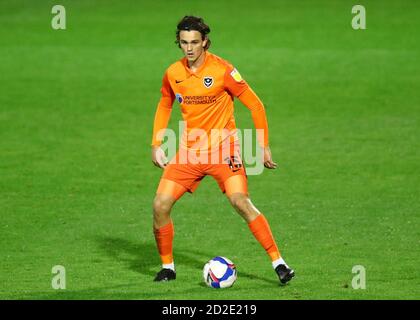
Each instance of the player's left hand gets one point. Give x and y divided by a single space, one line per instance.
268 160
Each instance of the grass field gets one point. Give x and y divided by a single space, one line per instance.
77 182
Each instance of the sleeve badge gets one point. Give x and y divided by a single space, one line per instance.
236 75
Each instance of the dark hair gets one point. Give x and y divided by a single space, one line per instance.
190 23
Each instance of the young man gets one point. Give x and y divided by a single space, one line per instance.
205 86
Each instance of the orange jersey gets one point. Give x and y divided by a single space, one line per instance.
206 101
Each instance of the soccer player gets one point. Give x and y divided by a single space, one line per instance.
205 86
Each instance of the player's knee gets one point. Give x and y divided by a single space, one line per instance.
162 205
239 201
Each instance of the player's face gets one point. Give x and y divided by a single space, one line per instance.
192 44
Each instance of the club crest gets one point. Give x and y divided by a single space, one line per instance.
179 97
208 82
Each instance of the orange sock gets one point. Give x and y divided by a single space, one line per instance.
262 232
164 237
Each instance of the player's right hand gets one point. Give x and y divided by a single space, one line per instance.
158 157
268 159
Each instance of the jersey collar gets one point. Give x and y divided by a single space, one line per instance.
200 69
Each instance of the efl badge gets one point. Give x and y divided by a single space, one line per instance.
236 75
208 82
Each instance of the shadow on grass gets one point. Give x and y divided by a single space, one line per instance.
144 258
139 257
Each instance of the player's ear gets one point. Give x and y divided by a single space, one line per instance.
204 42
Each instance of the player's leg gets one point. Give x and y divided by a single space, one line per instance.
167 194
176 180
236 191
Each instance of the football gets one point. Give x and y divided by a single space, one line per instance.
219 272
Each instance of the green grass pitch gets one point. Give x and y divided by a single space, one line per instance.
77 182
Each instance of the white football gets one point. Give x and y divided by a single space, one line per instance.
219 272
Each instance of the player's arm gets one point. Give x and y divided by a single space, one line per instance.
259 117
239 88
162 116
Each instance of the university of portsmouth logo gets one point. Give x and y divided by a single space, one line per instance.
208 82
179 98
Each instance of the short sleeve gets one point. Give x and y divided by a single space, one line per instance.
234 82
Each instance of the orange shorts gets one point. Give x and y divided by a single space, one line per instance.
185 175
